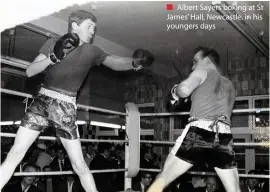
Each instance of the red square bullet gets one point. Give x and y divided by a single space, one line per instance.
169 6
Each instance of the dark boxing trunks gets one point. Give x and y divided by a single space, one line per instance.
52 109
197 145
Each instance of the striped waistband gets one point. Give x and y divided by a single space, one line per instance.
219 119
206 125
57 95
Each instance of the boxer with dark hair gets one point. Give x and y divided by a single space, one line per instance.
67 61
207 137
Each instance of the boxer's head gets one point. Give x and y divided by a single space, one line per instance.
84 24
204 56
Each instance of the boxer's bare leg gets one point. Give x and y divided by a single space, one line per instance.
24 139
74 151
229 178
173 168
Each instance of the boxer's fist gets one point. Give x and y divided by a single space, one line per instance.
142 58
175 102
183 104
63 44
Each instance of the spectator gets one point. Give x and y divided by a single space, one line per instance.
30 157
52 152
120 159
92 150
26 183
104 181
144 182
43 157
185 184
120 156
95 148
252 184
47 180
86 156
264 183
112 152
70 184
39 182
147 157
198 181
60 163
156 161
211 185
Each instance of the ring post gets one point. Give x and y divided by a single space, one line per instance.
132 151
127 179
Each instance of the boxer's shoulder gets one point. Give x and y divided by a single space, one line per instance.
228 83
93 50
52 41
202 73
90 47
226 80
48 45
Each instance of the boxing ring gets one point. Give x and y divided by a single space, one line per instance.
132 140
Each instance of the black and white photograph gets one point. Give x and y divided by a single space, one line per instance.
134 96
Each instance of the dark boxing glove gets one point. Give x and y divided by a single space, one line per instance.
175 102
63 43
142 58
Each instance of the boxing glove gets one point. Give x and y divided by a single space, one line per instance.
142 58
63 44
173 98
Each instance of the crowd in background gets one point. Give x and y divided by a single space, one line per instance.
52 157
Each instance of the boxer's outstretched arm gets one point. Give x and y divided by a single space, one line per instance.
118 63
186 87
40 63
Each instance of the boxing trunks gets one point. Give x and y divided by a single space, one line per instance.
52 109
202 143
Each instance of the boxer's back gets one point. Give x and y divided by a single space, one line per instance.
214 97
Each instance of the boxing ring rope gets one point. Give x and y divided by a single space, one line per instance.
13 135
87 108
123 170
210 173
66 172
187 113
3 134
235 144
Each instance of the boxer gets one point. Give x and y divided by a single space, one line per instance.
207 137
67 61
